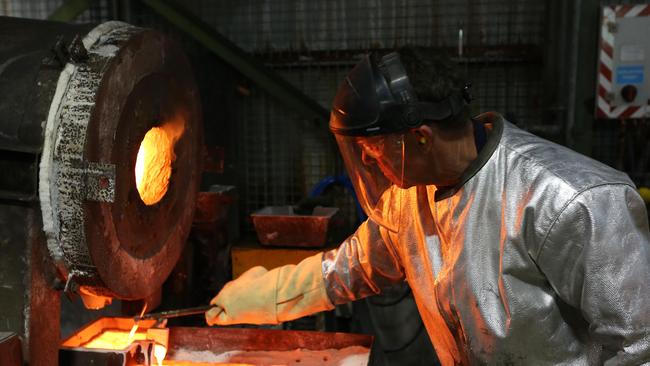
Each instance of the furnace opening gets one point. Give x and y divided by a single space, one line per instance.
153 166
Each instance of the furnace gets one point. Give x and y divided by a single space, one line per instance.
101 132
100 143
134 84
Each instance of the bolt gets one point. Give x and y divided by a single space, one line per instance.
77 51
104 182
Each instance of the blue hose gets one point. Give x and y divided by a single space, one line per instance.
343 180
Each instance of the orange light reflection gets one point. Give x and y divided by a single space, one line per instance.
114 339
189 363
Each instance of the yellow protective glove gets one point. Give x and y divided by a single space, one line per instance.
269 297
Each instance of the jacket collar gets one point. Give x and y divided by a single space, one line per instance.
494 137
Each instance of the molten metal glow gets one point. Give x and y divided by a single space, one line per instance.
135 325
132 332
159 352
190 363
153 166
114 339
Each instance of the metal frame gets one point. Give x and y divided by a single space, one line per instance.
239 59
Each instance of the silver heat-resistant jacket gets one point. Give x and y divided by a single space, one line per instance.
540 256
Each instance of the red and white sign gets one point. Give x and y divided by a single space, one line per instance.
614 69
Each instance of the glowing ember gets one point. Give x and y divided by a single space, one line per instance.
153 166
114 339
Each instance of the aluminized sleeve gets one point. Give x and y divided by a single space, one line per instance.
362 265
597 258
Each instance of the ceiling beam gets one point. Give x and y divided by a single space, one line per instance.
274 84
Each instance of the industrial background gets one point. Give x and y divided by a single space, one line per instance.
533 61
267 72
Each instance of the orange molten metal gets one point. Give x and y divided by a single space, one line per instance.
153 166
121 339
114 339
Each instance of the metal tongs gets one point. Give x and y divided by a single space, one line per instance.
162 316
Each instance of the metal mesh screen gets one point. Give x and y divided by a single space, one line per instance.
314 44
274 26
98 11
283 154
511 89
29 9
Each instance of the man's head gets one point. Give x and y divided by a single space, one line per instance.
401 123
417 102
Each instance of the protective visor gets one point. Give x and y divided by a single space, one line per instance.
376 168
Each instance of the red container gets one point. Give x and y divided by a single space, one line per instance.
279 226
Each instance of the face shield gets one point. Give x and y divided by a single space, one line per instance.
375 165
373 109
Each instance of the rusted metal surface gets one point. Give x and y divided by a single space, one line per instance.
44 306
29 306
114 82
10 349
212 207
278 225
102 235
63 169
214 229
135 246
220 340
198 339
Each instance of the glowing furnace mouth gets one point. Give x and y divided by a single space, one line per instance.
153 166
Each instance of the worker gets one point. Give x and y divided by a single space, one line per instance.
518 251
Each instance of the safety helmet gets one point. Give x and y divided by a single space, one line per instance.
377 98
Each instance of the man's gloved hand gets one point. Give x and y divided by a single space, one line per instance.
269 297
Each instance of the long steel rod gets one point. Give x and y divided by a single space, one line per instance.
175 313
